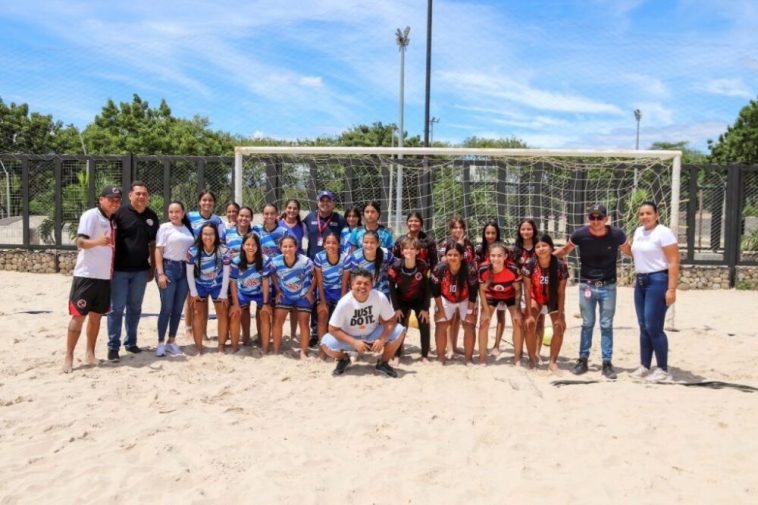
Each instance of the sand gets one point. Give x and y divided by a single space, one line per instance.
246 429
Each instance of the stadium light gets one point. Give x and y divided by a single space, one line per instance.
431 128
401 37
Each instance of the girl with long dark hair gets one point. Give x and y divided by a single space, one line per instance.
251 283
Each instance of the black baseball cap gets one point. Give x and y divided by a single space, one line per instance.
598 209
111 192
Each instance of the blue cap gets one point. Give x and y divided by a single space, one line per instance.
328 194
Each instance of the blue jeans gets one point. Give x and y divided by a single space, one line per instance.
605 298
650 304
172 298
127 291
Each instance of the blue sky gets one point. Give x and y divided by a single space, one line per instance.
561 74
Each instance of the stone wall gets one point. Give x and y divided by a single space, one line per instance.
691 276
747 278
48 261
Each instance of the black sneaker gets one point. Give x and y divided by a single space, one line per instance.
608 371
580 367
113 356
385 368
341 366
313 342
134 349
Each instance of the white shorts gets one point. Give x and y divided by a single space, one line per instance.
451 308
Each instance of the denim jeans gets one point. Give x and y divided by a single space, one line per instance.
172 298
650 304
605 298
127 291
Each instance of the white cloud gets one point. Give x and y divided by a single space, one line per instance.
313 82
728 87
495 87
647 84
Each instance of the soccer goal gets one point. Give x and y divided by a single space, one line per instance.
554 187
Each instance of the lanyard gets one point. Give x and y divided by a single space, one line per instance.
326 224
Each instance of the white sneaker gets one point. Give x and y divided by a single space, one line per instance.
172 348
641 372
660 375
161 350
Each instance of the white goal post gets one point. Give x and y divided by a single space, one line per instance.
637 159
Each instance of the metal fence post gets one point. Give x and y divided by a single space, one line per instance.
58 221
733 214
26 239
691 210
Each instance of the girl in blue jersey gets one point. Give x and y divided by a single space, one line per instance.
208 267
293 284
353 220
371 214
250 272
290 219
232 210
329 269
270 232
373 258
206 203
242 227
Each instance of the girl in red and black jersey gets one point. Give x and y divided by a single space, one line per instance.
523 251
491 235
457 228
499 288
545 279
454 287
427 247
409 290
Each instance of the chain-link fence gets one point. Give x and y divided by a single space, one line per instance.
42 197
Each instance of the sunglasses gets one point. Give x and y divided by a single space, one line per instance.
595 217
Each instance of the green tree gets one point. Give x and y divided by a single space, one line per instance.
140 129
739 144
689 156
27 132
376 135
500 143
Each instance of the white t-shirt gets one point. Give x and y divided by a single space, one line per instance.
95 262
360 319
175 240
647 249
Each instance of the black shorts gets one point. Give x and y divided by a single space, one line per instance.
510 302
89 295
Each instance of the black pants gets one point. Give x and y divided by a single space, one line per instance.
423 327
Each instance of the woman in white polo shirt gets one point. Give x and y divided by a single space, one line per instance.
656 261
172 243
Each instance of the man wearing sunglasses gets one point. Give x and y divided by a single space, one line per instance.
598 245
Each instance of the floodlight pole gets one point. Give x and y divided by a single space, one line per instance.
637 117
402 42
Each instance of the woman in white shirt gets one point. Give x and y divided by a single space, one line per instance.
171 245
656 260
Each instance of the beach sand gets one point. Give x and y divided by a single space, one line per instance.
246 429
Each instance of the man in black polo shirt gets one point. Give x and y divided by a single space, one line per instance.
137 226
318 224
598 245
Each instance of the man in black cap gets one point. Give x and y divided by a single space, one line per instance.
318 224
598 245
133 267
90 294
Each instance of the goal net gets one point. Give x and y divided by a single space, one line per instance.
553 187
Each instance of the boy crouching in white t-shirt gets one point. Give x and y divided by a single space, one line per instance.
364 321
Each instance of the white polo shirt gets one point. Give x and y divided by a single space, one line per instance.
647 249
96 262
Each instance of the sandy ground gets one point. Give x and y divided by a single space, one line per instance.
246 429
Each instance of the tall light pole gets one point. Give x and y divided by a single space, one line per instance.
402 42
637 117
431 129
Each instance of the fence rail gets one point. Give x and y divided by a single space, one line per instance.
42 197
